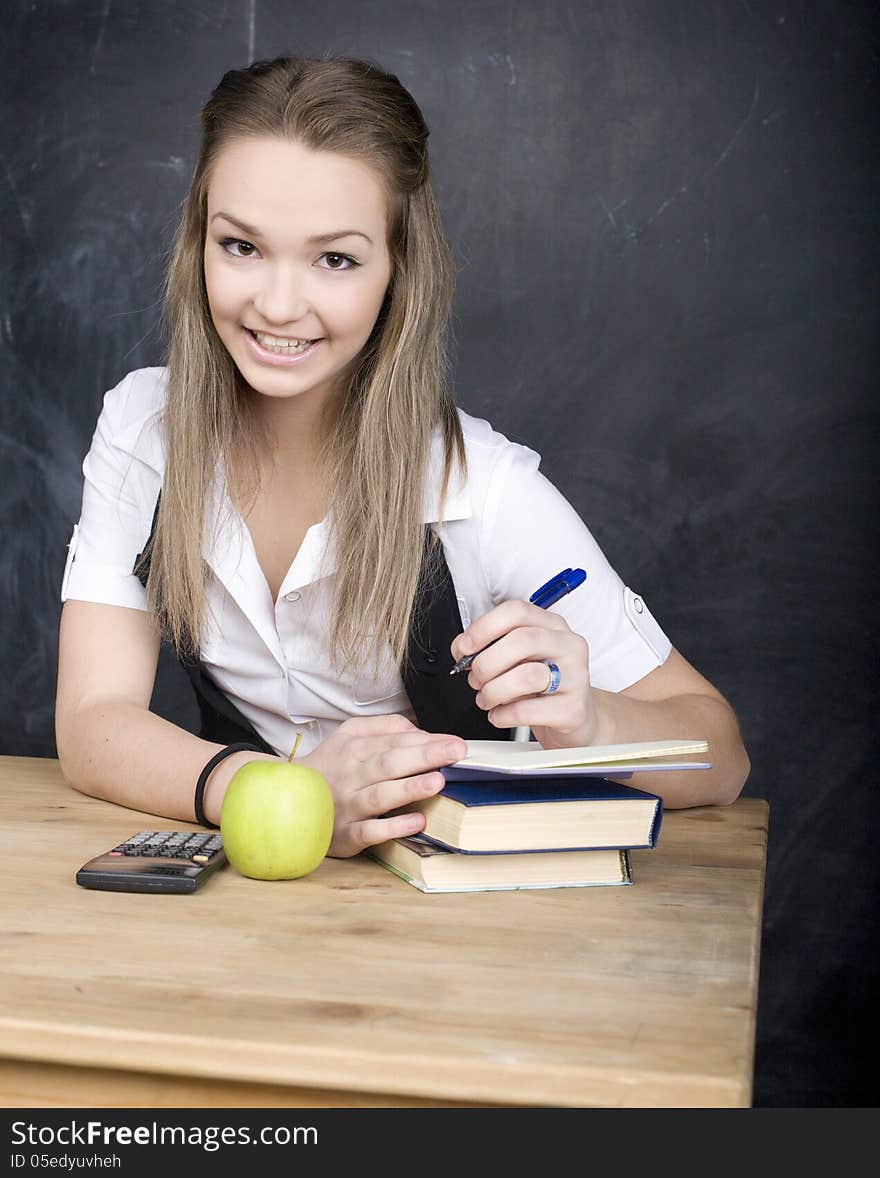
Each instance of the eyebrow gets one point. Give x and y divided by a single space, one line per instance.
316 239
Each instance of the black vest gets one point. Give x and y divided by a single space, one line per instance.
441 702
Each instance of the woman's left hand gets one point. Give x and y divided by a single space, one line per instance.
516 640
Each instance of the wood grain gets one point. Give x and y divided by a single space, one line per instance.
353 986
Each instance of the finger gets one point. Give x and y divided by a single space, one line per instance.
525 644
500 621
538 711
380 758
489 627
524 680
369 833
367 747
384 797
395 763
377 725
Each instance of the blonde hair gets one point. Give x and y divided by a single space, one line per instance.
378 431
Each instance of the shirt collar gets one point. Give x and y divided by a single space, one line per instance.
230 553
457 503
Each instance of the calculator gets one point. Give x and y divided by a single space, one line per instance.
155 861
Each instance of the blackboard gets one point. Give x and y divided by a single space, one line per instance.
663 220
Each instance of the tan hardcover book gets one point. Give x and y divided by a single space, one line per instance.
432 868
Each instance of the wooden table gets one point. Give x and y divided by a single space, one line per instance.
350 987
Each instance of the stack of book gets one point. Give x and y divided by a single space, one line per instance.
513 815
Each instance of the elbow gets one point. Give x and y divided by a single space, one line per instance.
71 776
731 766
62 749
734 764
66 763
734 781
68 750
722 782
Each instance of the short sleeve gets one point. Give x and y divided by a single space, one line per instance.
530 533
122 477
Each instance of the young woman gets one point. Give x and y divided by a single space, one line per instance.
296 504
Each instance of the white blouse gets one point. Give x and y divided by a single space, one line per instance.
505 531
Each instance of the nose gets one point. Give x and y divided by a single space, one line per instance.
281 297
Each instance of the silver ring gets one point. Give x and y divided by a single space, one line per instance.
553 685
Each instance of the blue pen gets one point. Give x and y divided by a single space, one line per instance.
544 597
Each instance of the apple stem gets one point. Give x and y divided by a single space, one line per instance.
295 747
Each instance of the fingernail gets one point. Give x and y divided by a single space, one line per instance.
464 644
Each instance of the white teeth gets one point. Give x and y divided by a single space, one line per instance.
276 343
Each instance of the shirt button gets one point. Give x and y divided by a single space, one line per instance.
637 605
294 595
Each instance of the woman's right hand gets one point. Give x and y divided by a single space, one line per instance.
375 764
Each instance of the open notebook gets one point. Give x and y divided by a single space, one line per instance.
527 757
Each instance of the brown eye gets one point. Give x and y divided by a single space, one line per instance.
333 259
233 245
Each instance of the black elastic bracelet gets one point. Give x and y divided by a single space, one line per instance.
199 801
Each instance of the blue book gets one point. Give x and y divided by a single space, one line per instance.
507 815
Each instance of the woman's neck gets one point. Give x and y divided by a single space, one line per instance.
294 424
287 463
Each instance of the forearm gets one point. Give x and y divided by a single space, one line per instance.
620 719
123 753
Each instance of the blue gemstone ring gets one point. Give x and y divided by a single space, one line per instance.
553 685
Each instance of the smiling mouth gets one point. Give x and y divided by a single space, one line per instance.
282 345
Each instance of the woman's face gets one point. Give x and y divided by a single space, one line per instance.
295 251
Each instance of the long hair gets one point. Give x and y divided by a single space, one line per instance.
378 431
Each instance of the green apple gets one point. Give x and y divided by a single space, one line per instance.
276 820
